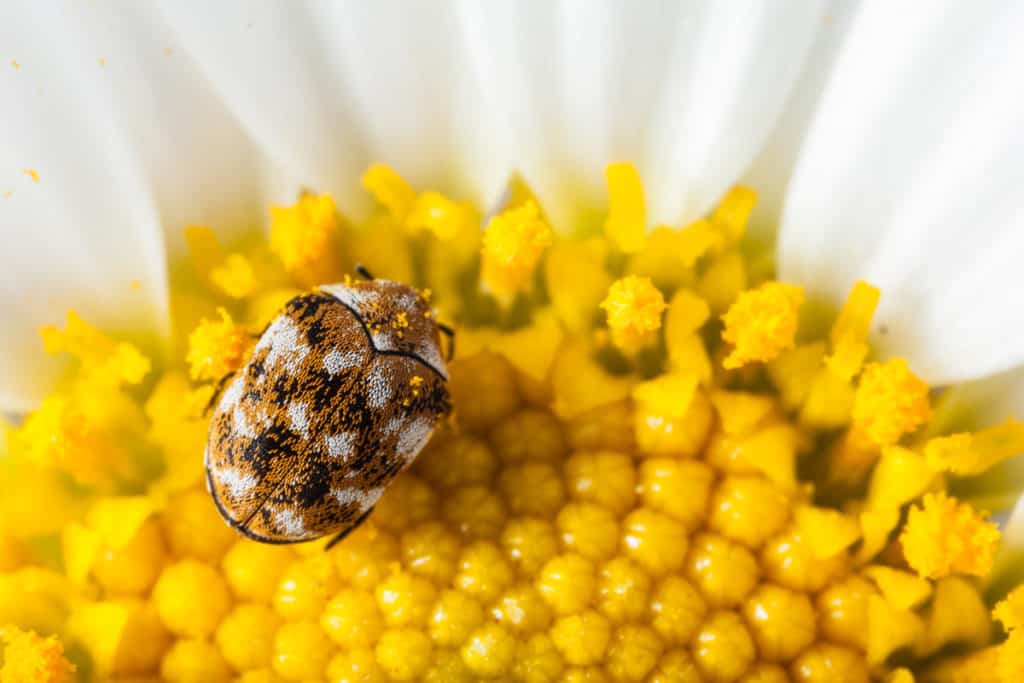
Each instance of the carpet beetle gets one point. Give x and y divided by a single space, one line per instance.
339 395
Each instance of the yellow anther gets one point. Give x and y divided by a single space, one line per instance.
733 212
891 401
103 359
697 239
626 225
216 348
966 455
900 589
30 657
849 337
514 241
305 237
1010 610
435 213
634 307
828 532
234 276
390 190
944 536
890 628
762 323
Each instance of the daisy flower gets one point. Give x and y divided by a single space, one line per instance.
735 288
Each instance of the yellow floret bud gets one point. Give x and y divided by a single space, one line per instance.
849 336
967 455
476 511
679 488
450 461
194 528
762 323
943 536
365 556
357 665
122 637
581 638
431 550
489 651
634 307
305 237
529 542
301 650
782 622
535 434
843 611
132 568
483 571
446 666
748 510
532 488
626 225
404 654
192 661
723 648
733 212
234 276
891 401
521 608
623 588
454 617
588 529
253 570
409 500
900 675
267 675
791 561
405 599
30 657
581 385
672 416
633 653
603 477
191 598
484 387
956 615
216 348
824 663
435 213
390 190
766 673
725 571
654 540
246 635
538 661
1010 610
514 241
351 618
567 583
677 666
305 587
677 608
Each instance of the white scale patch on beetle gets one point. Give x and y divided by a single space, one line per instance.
298 417
340 445
413 437
350 296
289 523
232 395
237 482
335 361
364 498
378 387
282 338
240 424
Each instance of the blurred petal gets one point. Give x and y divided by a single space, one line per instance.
910 177
122 166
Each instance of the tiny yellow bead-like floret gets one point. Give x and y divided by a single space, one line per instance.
762 323
634 307
944 536
28 656
891 401
216 348
514 241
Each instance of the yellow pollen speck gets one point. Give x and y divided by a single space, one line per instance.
390 190
216 348
762 323
305 237
626 225
890 401
30 657
634 307
943 536
513 244
1010 610
971 454
15 64
416 381
34 175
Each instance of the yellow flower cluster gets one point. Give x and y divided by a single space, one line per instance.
657 473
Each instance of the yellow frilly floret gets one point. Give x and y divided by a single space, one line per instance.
1010 610
513 243
103 359
626 226
891 401
762 323
30 657
216 348
634 307
943 536
305 237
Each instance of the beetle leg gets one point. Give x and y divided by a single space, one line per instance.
346 532
450 333
363 272
216 393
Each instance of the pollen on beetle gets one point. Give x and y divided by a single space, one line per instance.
655 470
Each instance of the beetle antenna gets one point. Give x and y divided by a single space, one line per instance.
450 333
363 272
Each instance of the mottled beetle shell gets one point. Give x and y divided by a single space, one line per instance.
339 395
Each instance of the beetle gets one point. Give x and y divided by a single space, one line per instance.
340 393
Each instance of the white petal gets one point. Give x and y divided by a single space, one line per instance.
910 178
128 142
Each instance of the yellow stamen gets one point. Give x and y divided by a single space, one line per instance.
849 336
435 213
305 237
762 323
101 357
626 225
970 454
30 657
216 348
891 401
733 212
513 244
634 307
234 276
902 590
828 532
944 536
390 190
